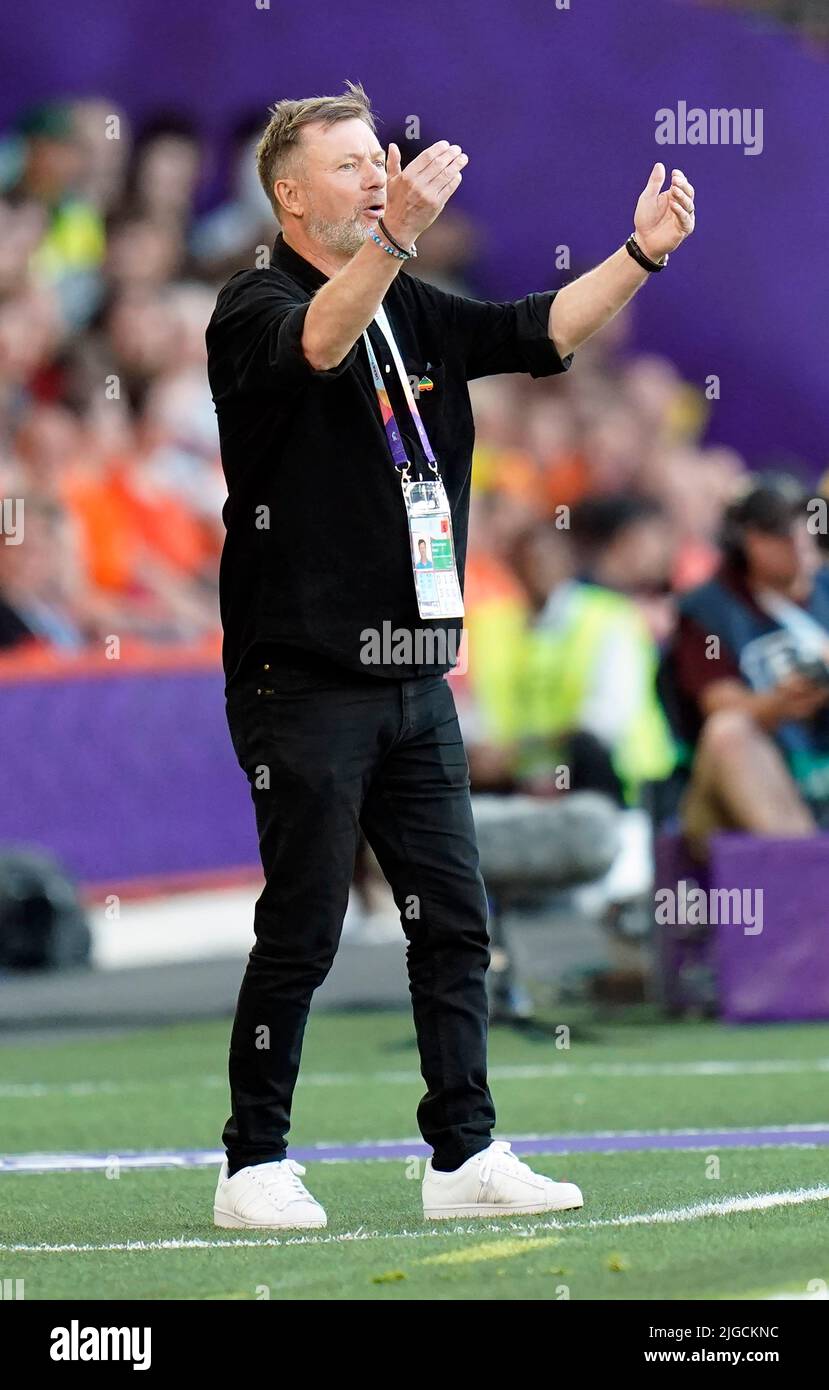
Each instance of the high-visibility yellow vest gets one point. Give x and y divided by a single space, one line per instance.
74 240
532 682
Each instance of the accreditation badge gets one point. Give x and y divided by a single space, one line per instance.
433 549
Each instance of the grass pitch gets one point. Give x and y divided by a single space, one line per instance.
686 1223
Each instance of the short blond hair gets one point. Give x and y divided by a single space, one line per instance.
276 153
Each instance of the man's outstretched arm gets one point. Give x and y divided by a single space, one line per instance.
662 221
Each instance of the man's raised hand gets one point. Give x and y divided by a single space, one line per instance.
662 221
417 195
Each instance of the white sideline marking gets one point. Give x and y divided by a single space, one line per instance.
532 1072
761 1201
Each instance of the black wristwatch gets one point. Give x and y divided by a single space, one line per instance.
634 249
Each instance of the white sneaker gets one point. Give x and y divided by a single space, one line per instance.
494 1182
266 1195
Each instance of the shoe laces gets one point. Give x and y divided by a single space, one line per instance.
500 1155
285 1177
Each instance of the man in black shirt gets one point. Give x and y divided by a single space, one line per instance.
336 644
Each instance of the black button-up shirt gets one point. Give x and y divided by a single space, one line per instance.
317 551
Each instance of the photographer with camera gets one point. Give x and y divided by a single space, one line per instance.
749 675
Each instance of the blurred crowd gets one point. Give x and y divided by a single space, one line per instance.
597 505
108 277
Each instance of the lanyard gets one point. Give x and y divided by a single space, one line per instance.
398 453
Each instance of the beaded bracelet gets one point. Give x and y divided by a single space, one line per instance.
393 240
398 255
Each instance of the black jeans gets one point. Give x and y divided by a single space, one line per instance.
325 755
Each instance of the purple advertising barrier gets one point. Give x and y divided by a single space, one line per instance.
125 776
768 961
558 110
686 969
782 971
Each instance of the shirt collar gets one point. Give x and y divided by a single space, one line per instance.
284 257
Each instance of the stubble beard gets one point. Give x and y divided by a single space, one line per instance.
345 236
